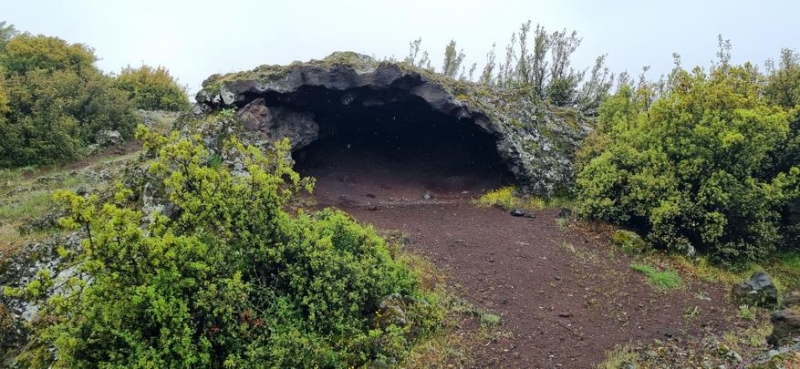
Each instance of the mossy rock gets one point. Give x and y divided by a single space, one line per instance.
629 242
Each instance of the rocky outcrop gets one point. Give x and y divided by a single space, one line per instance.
537 142
299 127
786 322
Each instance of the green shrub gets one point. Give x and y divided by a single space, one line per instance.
54 101
153 88
688 169
229 280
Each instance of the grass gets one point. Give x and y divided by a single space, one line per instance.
452 344
29 206
745 312
665 280
489 320
508 198
785 267
619 357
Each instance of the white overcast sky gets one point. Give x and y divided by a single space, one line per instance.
194 39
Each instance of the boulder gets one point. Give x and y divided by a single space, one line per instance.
757 291
786 322
277 123
785 327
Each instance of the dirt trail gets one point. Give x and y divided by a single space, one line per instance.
565 308
562 294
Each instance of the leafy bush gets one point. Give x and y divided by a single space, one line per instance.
229 279
153 88
690 165
54 101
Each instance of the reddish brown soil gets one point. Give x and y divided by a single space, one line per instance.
562 294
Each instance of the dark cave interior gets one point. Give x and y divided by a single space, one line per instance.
393 145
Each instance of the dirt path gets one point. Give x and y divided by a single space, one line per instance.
560 294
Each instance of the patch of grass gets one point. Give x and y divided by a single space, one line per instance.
32 205
702 269
489 320
752 338
451 345
502 197
786 268
665 280
562 223
619 357
508 198
691 312
745 312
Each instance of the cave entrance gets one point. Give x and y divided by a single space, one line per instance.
395 149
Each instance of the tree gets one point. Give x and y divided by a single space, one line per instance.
539 65
783 87
229 279
452 60
487 76
26 52
7 32
153 88
595 90
564 80
54 101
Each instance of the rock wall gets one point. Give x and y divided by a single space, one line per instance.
536 141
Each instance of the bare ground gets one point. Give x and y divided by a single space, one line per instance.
563 294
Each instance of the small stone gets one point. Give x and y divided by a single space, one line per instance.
757 291
82 191
733 355
517 213
427 196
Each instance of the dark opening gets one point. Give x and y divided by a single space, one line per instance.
394 148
